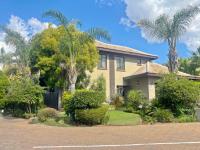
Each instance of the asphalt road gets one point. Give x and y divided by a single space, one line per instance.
17 134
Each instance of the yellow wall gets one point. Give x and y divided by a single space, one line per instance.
131 67
98 72
152 87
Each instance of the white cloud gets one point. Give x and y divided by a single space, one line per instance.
19 25
36 26
107 2
127 22
150 9
26 28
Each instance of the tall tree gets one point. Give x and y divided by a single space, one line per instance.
170 29
73 43
21 54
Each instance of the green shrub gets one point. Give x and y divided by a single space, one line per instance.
99 84
163 115
85 99
186 118
177 94
91 116
136 100
117 100
2 104
47 113
129 109
149 119
23 94
28 116
66 99
4 84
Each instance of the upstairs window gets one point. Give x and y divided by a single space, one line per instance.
139 62
102 61
120 63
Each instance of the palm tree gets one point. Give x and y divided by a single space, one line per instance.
20 56
72 48
170 29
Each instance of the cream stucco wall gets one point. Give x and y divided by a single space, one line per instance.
98 72
152 87
140 84
131 67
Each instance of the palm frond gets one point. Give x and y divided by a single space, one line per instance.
58 16
76 22
182 20
98 33
148 27
163 26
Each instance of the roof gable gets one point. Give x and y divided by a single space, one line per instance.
123 50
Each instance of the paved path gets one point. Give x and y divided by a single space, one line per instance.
17 134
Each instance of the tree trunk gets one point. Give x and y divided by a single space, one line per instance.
173 60
72 75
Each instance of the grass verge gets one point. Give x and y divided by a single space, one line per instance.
117 117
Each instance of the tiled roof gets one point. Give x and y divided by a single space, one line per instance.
123 50
153 68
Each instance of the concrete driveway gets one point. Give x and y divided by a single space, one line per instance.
17 134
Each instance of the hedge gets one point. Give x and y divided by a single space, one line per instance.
91 116
85 99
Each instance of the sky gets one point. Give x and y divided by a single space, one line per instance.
118 17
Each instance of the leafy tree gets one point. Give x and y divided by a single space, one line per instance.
178 94
170 30
45 57
23 91
48 54
72 45
21 54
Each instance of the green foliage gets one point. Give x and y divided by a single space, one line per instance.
66 100
47 113
85 99
23 94
191 65
179 95
186 118
2 104
117 100
99 84
4 84
50 53
91 116
21 53
76 49
163 115
136 100
149 119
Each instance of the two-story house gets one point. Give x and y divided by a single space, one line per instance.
125 68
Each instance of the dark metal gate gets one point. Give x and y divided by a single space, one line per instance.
51 99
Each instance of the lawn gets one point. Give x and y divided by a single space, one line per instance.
123 118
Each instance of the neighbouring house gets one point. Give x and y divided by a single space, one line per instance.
126 68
